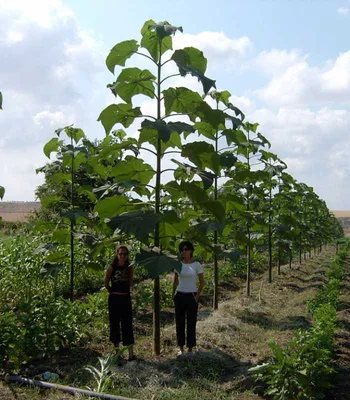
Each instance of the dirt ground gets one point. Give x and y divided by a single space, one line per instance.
230 341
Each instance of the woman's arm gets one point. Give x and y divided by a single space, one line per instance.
201 285
108 278
131 276
175 283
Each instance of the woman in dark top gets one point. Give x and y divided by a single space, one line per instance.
118 280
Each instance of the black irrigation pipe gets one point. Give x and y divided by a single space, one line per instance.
69 389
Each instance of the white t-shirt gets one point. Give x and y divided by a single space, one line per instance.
188 277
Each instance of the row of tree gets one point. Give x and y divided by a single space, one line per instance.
196 169
2 189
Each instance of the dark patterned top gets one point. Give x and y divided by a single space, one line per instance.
120 279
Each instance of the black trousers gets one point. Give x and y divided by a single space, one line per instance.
186 308
120 316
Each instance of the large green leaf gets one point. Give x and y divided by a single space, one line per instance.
200 197
111 206
181 100
174 189
171 226
203 155
60 178
194 192
154 40
118 113
75 133
215 207
137 223
227 159
224 97
234 202
263 140
51 145
186 171
79 158
46 201
207 83
75 215
165 129
220 96
169 231
57 257
157 263
235 136
61 236
2 192
98 167
52 268
150 135
205 227
191 57
216 118
133 81
133 169
205 129
191 61
120 53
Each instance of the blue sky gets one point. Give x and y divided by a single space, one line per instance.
286 64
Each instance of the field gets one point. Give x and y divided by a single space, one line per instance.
231 340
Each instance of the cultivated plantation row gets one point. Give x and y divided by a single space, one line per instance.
196 170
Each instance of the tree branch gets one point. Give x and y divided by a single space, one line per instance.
168 77
145 55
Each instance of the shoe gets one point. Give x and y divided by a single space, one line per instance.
179 354
132 358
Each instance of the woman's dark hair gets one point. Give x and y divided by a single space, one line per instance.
115 260
188 244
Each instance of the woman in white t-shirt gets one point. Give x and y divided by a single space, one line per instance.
187 295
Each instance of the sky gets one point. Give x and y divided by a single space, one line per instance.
286 64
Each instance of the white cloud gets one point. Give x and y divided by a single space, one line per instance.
48 66
343 11
295 82
42 13
53 119
217 47
314 145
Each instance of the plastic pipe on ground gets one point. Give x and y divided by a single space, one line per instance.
69 389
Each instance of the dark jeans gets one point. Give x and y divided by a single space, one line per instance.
120 314
186 307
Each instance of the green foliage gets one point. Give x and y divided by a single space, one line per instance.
37 329
329 293
302 370
104 377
